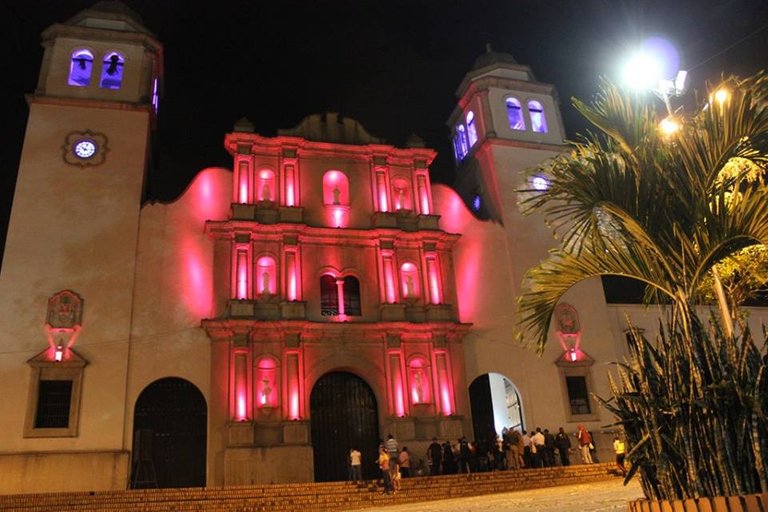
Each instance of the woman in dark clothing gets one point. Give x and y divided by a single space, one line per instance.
449 461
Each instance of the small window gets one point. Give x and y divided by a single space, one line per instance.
112 71
53 403
515 114
578 396
352 296
80 68
329 296
471 128
538 120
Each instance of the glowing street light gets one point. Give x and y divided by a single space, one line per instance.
654 68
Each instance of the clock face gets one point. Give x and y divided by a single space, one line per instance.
84 148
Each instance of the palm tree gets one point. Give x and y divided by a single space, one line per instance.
666 210
630 201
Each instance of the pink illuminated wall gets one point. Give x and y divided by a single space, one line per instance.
422 189
433 276
389 276
239 389
293 385
397 385
382 190
292 275
242 180
444 383
291 185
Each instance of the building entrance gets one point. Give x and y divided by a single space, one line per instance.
343 415
169 436
495 405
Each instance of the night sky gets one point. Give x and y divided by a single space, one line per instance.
392 65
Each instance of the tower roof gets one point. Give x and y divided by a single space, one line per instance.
493 59
109 14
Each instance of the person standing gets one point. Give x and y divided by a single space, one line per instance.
449 461
620 449
538 449
585 442
386 476
527 450
391 446
549 449
563 445
355 468
435 456
404 461
464 455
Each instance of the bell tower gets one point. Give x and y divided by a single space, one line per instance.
74 228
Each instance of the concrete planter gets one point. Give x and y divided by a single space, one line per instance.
749 503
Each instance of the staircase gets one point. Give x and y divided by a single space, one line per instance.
330 496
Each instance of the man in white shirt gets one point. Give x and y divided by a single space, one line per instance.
355 467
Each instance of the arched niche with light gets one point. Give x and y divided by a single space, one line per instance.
471 128
538 118
265 186
409 280
80 68
419 380
267 382
515 113
112 71
336 198
402 194
266 276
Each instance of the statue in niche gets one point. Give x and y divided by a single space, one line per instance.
266 392
409 288
336 195
266 193
418 378
265 282
400 198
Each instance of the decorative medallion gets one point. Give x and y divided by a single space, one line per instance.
85 149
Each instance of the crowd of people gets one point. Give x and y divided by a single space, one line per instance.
513 449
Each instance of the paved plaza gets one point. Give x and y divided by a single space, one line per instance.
607 496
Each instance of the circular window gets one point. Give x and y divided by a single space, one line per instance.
84 148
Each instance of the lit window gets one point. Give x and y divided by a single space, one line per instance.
80 68
352 296
267 276
112 71
471 128
402 194
460 142
515 114
329 296
538 120
578 396
409 280
266 185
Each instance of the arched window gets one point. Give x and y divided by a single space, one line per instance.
329 296
471 128
267 392
538 120
112 71
265 187
402 194
419 380
266 276
460 142
352 296
335 188
409 280
80 68
515 114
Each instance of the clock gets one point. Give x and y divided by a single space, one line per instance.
84 148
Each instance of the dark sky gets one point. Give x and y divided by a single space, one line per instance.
392 65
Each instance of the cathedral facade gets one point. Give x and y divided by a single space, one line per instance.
317 296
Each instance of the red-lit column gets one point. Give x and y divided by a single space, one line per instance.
397 383
423 191
433 278
290 184
243 180
292 274
389 276
239 388
293 385
382 190
242 271
444 382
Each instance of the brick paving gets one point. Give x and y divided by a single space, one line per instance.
608 496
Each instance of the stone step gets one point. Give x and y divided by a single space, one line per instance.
331 496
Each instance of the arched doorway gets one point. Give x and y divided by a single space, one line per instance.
343 414
495 405
169 436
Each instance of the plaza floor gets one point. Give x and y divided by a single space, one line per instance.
608 496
